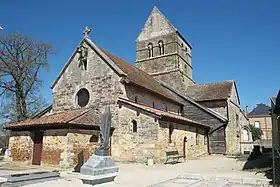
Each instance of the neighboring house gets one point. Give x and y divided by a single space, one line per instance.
260 118
246 141
156 106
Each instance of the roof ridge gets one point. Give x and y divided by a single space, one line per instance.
211 83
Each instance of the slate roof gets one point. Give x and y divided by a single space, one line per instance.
260 110
162 114
83 117
211 91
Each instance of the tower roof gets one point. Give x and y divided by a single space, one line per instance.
156 25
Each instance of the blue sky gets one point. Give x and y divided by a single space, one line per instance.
232 40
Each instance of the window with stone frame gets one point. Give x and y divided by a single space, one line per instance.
134 125
196 137
150 50
82 97
171 128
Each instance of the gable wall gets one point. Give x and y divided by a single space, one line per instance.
99 79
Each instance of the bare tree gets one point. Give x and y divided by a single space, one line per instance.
21 59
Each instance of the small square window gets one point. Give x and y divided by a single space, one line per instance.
257 124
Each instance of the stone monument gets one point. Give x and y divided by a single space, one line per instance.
100 167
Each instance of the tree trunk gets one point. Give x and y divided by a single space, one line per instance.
18 103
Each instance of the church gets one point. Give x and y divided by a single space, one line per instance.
156 105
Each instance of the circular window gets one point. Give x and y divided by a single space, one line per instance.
83 97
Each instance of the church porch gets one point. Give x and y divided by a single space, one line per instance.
63 139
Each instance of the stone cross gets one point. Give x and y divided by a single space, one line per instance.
86 32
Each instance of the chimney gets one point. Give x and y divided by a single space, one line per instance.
246 111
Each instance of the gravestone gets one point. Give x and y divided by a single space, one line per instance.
100 167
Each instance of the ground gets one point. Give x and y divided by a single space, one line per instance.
205 171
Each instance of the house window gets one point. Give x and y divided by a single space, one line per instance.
134 126
257 124
150 48
161 48
94 138
82 97
196 137
171 128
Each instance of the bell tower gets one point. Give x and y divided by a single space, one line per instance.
163 52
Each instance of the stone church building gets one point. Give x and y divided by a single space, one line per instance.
156 105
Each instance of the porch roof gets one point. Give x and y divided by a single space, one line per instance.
78 117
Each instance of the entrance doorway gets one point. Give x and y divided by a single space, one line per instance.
185 147
37 148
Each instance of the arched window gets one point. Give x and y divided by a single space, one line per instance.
82 97
161 48
134 126
150 48
245 135
94 138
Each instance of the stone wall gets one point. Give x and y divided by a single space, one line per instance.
152 138
233 133
21 146
265 125
150 99
54 144
80 146
196 144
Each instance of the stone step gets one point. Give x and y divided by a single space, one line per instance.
29 178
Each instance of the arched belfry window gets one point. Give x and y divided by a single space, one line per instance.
161 47
150 48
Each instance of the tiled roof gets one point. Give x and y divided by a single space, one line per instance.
211 91
260 110
75 117
141 78
162 114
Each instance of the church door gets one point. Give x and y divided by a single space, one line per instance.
37 148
